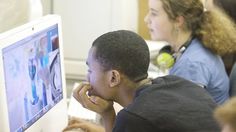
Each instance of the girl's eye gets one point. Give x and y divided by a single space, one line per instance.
153 14
89 71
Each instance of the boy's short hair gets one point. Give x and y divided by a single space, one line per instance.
124 51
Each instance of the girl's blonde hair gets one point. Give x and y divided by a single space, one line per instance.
214 29
226 113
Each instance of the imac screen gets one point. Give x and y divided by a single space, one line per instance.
33 79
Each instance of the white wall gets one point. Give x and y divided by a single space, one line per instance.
17 12
85 20
13 13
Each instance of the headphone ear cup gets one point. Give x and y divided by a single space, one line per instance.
165 58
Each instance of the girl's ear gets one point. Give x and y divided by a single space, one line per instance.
179 21
114 78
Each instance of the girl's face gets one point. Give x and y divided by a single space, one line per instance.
158 22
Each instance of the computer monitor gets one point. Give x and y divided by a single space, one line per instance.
32 81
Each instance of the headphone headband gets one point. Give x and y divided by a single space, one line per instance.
185 45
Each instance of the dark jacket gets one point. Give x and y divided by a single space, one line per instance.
169 104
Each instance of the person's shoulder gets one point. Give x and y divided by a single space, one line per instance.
167 87
171 80
166 83
178 86
197 52
197 47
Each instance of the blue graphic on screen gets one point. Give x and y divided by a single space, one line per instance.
33 78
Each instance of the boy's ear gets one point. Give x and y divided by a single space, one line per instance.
114 78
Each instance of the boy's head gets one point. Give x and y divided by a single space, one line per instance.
124 51
114 55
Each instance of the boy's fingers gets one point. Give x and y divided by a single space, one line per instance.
74 120
80 92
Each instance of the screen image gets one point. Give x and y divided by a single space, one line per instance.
32 77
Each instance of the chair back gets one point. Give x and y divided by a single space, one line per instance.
232 91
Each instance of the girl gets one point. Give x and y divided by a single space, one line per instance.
197 38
